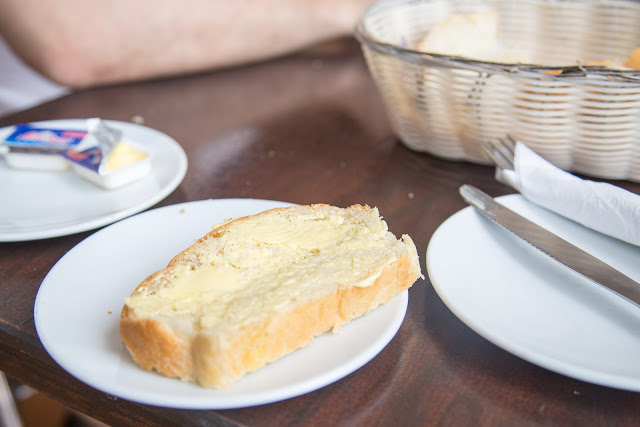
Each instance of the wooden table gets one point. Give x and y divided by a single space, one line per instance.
303 129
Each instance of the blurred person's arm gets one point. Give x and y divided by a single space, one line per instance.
88 42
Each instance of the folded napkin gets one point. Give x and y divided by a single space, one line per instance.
600 206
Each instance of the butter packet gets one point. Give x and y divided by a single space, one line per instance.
37 148
113 162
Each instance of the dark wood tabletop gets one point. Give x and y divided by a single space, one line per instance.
309 128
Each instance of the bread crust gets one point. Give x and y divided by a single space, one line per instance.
174 349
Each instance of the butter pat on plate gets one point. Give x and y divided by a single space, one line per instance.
124 164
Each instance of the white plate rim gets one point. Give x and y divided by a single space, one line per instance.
504 338
392 313
180 158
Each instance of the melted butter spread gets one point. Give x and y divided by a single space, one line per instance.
309 233
265 263
122 155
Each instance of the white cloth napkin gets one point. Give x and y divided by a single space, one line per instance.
600 206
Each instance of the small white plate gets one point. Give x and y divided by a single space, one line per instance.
42 204
77 314
528 304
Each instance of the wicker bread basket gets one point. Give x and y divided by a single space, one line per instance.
584 119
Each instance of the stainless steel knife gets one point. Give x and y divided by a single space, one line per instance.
555 247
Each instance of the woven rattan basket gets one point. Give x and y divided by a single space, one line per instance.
582 118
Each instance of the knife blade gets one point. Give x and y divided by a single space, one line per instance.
553 246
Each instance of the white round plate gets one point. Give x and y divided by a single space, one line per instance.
43 204
77 313
528 304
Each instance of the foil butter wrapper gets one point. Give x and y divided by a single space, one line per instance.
106 137
36 148
111 162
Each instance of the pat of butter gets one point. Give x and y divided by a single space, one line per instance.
122 156
123 165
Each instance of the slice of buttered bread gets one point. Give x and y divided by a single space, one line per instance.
261 286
